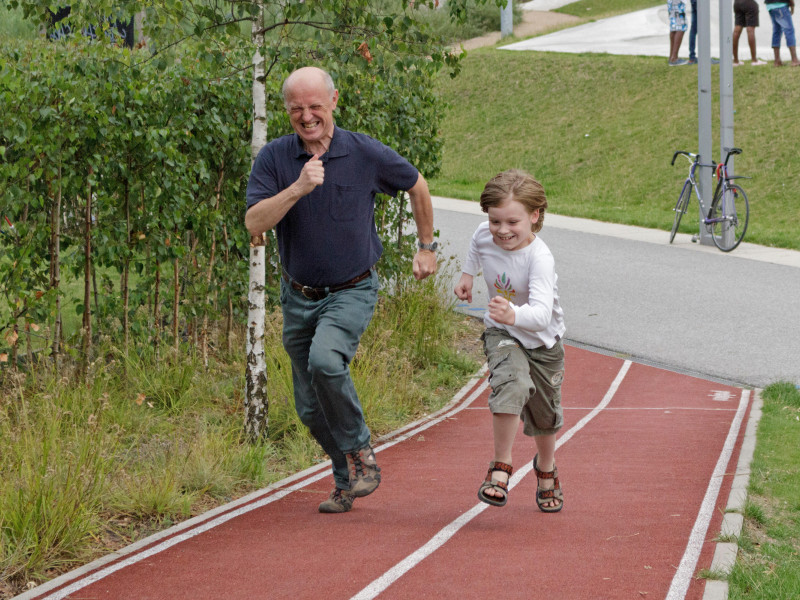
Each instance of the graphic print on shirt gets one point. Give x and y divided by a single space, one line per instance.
503 286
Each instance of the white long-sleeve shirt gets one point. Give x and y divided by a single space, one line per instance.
527 279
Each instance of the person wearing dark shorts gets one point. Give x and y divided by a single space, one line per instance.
745 16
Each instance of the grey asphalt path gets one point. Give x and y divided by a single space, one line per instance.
733 317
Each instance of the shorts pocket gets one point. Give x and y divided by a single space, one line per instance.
501 369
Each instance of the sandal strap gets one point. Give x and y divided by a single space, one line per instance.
499 466
489 482
545 495
544 474
498 485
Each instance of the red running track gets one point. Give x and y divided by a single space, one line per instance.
644 461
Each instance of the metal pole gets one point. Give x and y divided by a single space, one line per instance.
726 86
725 80
704 144
507 20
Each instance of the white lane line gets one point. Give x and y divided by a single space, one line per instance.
447 532
683 576
134 558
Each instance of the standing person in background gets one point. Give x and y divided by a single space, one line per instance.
524 326
693 35
693 38
676 10
745 15
781 15
317 189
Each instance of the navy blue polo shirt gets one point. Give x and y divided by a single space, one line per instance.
329 236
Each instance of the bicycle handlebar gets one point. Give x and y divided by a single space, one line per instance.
687 154
692 156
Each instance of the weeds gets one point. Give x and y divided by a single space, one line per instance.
85 469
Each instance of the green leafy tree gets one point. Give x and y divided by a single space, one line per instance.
131 163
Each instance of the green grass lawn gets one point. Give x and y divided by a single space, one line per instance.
768 567
599 132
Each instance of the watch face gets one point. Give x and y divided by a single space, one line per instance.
431 246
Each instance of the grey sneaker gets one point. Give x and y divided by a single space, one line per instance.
339 501
365 474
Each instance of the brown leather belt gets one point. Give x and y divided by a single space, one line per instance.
319 293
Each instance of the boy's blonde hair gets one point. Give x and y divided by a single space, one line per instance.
518 185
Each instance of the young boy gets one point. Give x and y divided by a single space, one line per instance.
524 326
781 15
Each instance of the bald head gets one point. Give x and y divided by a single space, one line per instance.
308 77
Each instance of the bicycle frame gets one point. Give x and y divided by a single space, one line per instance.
721 216
695 162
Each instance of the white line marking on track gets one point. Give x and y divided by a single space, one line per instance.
95 576
683 576
447 532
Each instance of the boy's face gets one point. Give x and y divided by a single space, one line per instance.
510 225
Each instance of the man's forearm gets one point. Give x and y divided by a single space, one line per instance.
422 209
268 212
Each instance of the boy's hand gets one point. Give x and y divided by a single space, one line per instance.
464 288
500 310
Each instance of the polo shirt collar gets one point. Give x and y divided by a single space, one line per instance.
338 147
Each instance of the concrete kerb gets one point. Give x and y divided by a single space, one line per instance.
726 552
746 250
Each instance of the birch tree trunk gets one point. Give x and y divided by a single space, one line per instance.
256 401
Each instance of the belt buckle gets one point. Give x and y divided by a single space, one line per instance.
310 293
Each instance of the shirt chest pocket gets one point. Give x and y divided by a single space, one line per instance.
351 202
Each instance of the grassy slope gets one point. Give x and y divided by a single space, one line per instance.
768 567
599 132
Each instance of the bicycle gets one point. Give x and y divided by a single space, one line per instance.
727 217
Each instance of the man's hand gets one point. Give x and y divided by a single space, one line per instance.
424 264
312 175
500 310
464 288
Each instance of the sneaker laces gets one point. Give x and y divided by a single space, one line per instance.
357 464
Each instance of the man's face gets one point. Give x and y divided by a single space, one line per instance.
310 106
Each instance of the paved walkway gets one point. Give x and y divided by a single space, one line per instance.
644 32
638 521
628 291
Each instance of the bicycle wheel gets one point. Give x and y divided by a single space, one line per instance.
732 209
680 208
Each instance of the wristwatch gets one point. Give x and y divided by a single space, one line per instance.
432 246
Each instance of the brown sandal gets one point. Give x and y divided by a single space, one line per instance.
495 484
545 496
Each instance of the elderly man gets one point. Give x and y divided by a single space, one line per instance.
317 188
